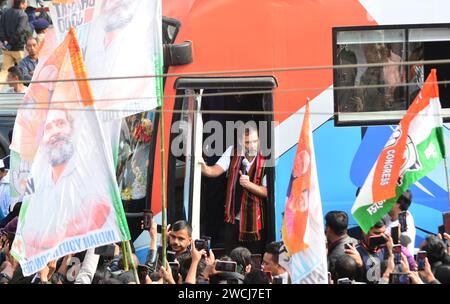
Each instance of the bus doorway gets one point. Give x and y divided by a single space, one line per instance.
222 110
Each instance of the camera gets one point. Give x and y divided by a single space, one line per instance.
226 266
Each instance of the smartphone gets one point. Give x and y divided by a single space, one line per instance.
277 280
377 241
256 261
106 251
348 246
395 234
148 217
202 281
399 278
202 244
446 216
402 221
344 281
142 272
397 250
208 242
269 276
229 266
218 252
170 255
175 268
421 255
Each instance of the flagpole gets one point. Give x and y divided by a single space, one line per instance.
133 264
163 181
124 256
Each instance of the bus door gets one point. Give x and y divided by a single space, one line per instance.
205 114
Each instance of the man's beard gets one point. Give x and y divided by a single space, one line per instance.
251 152
62 154
118 19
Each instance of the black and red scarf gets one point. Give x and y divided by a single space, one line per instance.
251 205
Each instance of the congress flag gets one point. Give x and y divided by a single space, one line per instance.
414 149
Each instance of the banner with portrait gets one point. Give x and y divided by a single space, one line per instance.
71 202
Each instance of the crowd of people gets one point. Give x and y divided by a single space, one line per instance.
369 258
22 33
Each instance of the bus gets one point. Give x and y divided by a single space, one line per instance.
262 60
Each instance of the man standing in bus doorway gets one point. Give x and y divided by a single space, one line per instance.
246 192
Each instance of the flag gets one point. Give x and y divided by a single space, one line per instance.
302 227
415 148
72 201
118 39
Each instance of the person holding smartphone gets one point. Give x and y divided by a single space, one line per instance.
399 215
375 248
151 259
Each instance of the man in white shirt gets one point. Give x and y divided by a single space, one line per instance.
4 191
246 192
408 235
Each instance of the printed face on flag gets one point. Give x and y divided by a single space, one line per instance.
58 137
117 13
72 203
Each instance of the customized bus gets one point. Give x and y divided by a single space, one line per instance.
232 60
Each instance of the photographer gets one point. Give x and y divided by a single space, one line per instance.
371 251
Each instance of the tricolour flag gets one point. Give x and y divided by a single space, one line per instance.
414 149
72 201
302 228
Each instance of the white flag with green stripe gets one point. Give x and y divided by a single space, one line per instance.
413 150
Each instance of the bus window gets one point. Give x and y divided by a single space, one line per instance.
384 92
135 150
